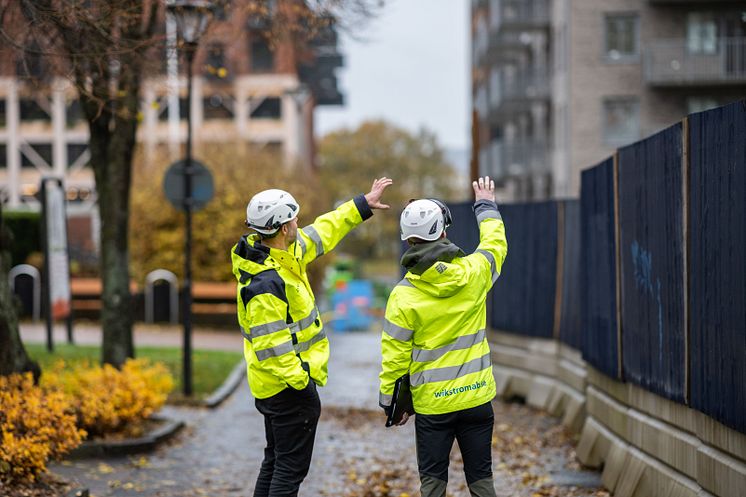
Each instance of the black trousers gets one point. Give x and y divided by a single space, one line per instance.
472 428
290 420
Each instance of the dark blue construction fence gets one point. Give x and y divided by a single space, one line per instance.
646 274
651 247
717 264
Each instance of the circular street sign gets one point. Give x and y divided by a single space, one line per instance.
202 187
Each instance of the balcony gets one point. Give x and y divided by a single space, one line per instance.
512 95
505 46
517 159
521 15
670 63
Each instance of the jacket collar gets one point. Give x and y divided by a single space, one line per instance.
418 258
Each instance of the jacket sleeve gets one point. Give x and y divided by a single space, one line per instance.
271 340
493 244
396 350
327 230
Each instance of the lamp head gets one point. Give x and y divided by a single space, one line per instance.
192 18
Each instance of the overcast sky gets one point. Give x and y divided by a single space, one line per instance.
412 69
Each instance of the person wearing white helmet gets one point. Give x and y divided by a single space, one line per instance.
434 334
285 345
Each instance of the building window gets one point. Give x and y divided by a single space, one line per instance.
3 157
3 119
268 108
163 108
621 37
31 63
73 113
215 63
701 33
218 107
262 58
221 9
37 155
621 121
30 110
75 156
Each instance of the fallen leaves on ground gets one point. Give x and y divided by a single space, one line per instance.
46 485
528 446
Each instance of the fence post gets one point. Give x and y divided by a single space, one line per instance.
685 249
560 273
618 260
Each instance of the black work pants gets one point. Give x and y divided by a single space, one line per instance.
472 428
290 420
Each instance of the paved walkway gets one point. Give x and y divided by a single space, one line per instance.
88 333
219 452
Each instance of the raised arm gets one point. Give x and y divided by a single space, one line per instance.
329 229
493 244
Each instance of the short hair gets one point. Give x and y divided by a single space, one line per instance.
264 236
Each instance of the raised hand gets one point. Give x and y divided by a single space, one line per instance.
484 189
376 191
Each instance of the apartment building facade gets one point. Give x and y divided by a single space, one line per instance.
612 71
246 89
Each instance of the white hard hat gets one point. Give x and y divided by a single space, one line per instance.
270 209
425 219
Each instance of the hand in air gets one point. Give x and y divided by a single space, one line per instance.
484 189
376 191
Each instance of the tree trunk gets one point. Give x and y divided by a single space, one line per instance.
13 356
112 143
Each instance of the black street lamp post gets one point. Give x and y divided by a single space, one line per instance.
192 18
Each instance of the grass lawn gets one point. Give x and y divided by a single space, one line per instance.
209 367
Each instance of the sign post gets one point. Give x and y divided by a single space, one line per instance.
56 259
188 186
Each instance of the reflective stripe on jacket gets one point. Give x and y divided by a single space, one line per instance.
435 326
284 339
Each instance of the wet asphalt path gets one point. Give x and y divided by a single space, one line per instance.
220 451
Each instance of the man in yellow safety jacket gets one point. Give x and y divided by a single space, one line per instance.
434 331
285 345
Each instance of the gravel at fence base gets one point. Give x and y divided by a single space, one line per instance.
219 452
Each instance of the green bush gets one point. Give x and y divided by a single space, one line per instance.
25 229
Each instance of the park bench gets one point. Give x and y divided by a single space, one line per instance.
213 303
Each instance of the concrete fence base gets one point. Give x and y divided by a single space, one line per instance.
549 375
648 446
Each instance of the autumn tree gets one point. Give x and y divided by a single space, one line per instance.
107 48
350 159
239 171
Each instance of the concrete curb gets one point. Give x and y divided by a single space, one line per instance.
91 449
228 387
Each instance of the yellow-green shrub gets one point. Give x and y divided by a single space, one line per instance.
111 401
35 425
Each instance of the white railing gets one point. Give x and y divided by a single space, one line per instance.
678 62
521 12
518 159
524 86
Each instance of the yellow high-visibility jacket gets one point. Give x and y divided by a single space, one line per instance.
435 322
284 339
